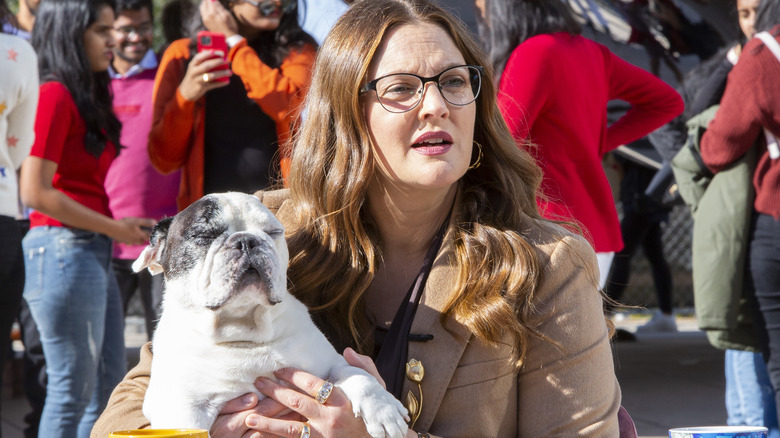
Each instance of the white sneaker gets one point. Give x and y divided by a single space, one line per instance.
619 317
659 323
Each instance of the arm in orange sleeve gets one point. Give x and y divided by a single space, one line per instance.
278 91
173 119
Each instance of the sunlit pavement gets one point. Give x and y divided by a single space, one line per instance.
670 379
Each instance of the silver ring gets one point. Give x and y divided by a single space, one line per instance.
305 430
206 77
325 390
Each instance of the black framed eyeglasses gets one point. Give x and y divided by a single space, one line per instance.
402 92
268 7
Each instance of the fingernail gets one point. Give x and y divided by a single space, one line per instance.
248 399
261 383
251 420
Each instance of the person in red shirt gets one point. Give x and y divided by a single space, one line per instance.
69 285
553 92
749 117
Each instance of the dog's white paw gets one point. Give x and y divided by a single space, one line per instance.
383 414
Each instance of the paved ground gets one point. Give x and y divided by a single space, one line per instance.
671 380
668 380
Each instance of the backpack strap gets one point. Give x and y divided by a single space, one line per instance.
771 141
770 42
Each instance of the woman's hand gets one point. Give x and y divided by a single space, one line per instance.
133 230
200 78
231 421
331 419
218 19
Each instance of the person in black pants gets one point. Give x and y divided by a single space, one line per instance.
12 276
641 227
34 369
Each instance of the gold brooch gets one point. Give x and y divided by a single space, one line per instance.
414 372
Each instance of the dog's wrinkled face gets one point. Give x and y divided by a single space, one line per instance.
215 249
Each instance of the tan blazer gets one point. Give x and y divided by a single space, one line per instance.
567 386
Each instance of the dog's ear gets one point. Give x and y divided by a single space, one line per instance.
150 256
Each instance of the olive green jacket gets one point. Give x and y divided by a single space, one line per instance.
721 206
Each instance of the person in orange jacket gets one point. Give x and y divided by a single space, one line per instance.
225 122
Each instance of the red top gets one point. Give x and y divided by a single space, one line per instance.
554 91
59 137
750 103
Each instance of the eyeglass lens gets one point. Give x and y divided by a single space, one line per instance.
401 92
144 29
268 7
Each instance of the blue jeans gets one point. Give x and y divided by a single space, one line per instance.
73 297
750 400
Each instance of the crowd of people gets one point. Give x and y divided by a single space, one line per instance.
430 180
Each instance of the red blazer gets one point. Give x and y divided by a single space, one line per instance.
554 92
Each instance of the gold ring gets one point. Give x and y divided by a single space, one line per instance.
325 390
206 77
305 430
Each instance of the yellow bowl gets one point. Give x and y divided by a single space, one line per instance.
160 433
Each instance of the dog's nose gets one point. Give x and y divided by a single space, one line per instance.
243 241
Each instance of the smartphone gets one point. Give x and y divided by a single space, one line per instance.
208 40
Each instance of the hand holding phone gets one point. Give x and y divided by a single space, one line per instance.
214 41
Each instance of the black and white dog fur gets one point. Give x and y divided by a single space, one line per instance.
228 318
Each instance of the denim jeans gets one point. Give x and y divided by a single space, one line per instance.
73 297
750 400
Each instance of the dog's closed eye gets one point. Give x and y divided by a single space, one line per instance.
204 234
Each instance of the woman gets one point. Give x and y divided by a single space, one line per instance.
748 109
18 101
403 192
553 91
227 135
69 285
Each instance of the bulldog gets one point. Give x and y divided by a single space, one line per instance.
228 318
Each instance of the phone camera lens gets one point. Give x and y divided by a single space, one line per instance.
205 40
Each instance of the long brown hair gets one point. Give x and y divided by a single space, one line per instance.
335 252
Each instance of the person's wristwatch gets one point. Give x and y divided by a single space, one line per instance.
423 435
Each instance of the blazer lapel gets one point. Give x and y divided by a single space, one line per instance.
439 356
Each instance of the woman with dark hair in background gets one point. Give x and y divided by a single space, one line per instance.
18 101
228 129
749 119
69 285
553 91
